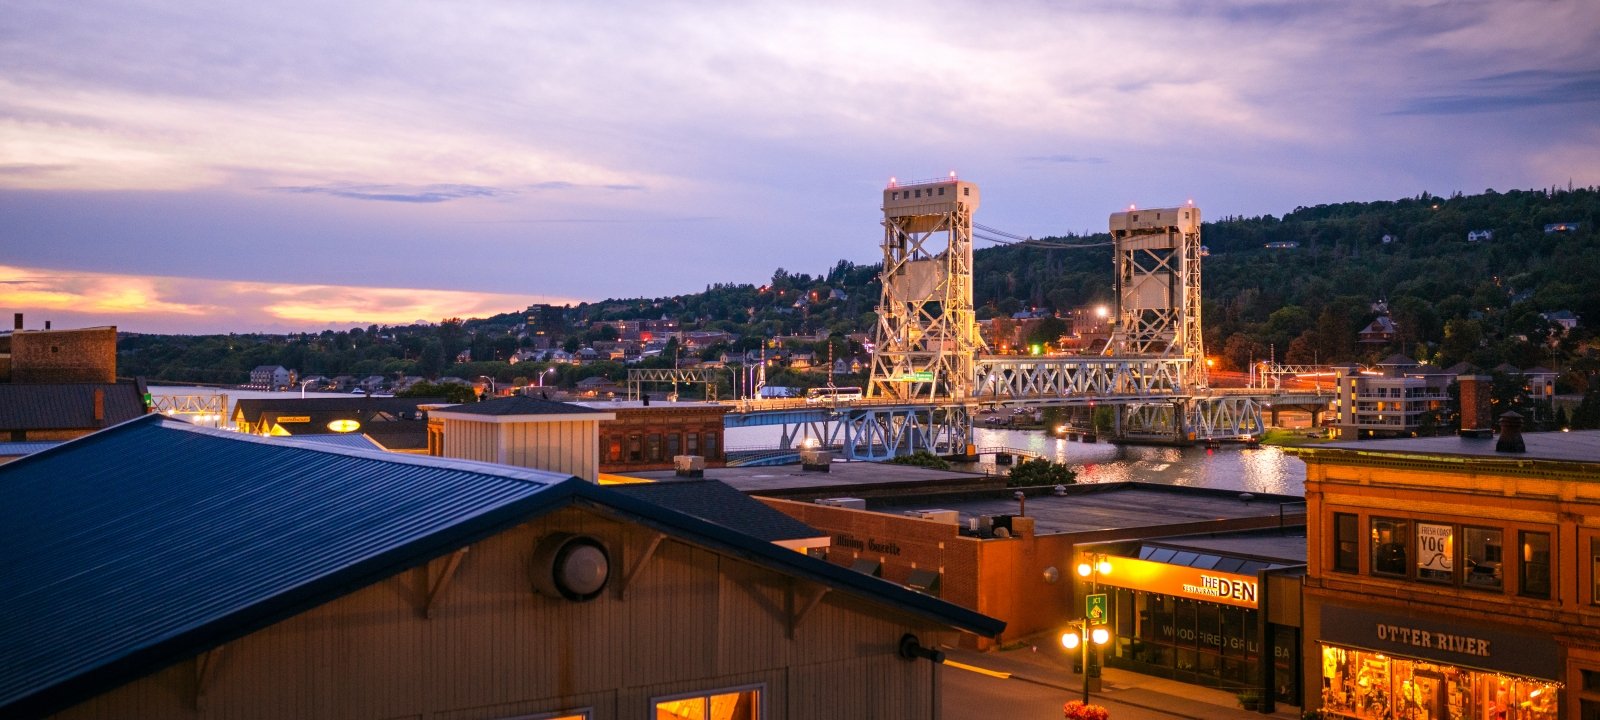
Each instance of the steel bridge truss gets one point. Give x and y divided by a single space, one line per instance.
926 338
1157 259
1221 417
692 376
209 410
881 433
1010 378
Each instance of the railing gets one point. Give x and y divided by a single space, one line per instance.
898 183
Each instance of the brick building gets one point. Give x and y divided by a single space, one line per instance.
648 437
86 355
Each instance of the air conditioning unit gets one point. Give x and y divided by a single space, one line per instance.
844 502
952 517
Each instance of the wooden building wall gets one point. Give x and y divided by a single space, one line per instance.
568 447
690 621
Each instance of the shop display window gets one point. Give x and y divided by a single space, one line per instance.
1484 557
1534 576
1436 552
1346 543
1389 546
1374 686
1198 642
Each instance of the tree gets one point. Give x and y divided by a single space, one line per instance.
449 391
1040 472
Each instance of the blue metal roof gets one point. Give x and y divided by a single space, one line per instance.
153 541
352 441
156 540
28 447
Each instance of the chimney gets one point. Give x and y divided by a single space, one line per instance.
1475 420
1510 435
17 321
692 466
47 324
99 405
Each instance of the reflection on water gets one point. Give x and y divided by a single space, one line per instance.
1229 467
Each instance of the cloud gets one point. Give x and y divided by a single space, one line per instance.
397 193
1068 159
194 305
1512 91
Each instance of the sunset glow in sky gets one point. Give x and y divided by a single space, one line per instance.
199 167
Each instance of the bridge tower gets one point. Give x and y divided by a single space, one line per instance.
1157 260
926 341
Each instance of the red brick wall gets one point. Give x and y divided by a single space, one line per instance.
64 356
661 422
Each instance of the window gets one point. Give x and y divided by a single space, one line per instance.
966 191
941 191
1482 547
1436 552
674 445
1389 546
1346 536
691 444
653 447
1533 578
1594 578
735 704
635 448
711 445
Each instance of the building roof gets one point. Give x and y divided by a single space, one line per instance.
324 409
148 543
351 440
1578 447
1092 507
514 406
17 449
66 406
1399 360
720 503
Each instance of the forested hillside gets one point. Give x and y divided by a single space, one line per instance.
1450 299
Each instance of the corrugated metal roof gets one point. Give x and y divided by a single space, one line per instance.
66 406
720 503
14 449
353 441
153 541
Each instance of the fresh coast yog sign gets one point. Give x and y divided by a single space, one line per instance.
1185 582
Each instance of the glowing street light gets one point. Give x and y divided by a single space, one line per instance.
1092 628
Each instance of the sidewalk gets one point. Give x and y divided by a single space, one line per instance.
1127 694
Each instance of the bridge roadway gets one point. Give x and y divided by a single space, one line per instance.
1153 405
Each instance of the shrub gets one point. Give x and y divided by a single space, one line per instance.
1077 710
922 458
1040 472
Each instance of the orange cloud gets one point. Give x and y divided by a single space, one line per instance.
168 304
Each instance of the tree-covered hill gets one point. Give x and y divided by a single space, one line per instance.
1450 299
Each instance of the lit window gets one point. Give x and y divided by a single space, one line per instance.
1534 575
1484 558
1346 535
1436 552
1389 546
737 704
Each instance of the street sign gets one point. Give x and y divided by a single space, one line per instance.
1094 608
922 376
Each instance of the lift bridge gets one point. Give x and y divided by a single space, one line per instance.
931 372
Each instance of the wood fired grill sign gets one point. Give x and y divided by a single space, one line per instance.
1182 581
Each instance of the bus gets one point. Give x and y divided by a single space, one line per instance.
833 395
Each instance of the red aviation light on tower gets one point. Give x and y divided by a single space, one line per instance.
952 174
1132 207
893 182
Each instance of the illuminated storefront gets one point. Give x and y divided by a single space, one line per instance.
1382 666
1201 625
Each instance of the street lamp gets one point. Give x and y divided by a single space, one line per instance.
547 371
1093 627
303 388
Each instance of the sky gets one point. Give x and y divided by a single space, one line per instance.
196 167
